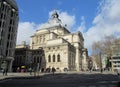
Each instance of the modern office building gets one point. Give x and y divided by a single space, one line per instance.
62 49
8 31
115 59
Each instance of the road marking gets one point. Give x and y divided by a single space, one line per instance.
92 86
114 81
108 82
81 86
102 82
5 80
112 86
102 86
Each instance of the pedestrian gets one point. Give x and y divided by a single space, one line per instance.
30 70
6 70
117 72
18 69
3 71
4 67
42 70
53 70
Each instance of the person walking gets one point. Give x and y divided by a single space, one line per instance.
53 70
30 70
18 69
6 70
4 67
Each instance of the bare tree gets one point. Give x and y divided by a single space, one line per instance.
105 47
96 48
107 43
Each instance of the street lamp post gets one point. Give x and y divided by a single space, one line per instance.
90 65
100 63
33 63
31 66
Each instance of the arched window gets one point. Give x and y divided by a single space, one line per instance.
49 58
58 58
34 59
38 60
53 58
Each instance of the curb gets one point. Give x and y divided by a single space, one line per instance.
18 77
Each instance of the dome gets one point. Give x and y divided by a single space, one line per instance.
54 21
13 3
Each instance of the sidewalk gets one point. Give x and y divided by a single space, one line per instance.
12 75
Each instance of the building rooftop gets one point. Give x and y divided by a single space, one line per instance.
13 3
53 21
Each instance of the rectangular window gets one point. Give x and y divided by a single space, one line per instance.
0 4
0 41
11 21
53 59
3 25
2 7
0 23
6 52
1 15
49 60
11 13
9 28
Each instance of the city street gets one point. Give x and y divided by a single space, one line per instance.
64 80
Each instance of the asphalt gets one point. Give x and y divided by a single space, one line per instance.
18 75
27 74
63 80
38 75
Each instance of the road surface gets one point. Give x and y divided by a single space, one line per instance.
64 80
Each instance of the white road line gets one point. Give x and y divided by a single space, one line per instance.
102 82
114 81
5 80
107 81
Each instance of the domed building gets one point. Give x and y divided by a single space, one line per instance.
62 49
8 32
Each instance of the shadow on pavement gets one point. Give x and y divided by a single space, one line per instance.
64 80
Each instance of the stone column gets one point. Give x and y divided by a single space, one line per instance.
10 66
77 61
84 61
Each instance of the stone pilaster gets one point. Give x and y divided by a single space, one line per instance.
10 65
77 61
84 59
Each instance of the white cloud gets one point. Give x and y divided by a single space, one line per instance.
82 26
25 30
66 18
107 22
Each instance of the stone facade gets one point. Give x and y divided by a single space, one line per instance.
62 49
115 59
84 59
8 31
24 56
